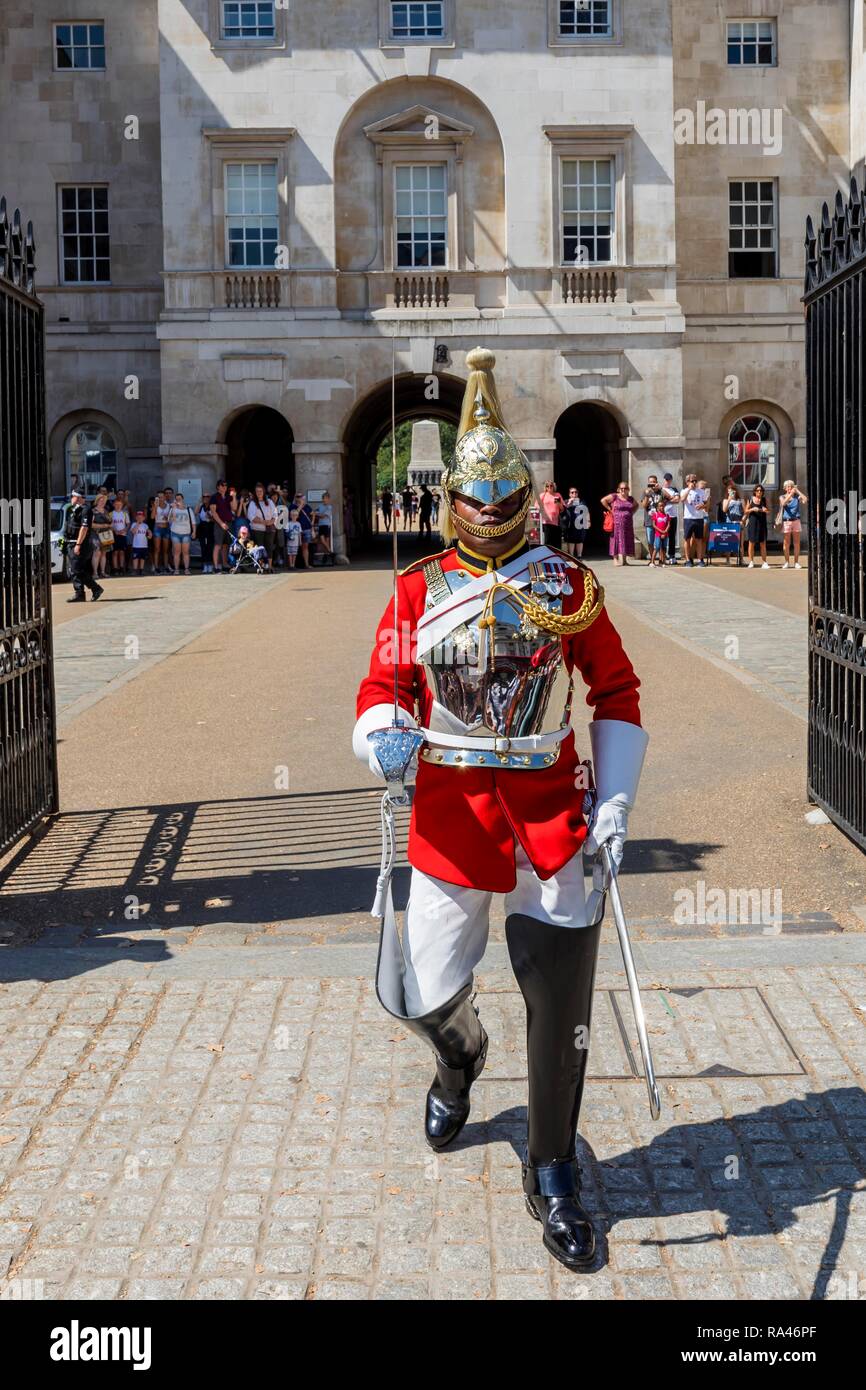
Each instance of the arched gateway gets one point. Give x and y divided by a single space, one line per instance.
259 443
369 424
589 457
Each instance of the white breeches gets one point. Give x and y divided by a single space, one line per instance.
446 926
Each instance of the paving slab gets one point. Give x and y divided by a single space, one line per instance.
227 1135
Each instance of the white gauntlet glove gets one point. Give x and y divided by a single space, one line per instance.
618 750
609 827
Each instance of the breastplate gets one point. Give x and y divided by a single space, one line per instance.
509 680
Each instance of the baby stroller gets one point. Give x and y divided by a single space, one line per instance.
246 557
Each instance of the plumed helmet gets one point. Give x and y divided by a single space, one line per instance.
488 464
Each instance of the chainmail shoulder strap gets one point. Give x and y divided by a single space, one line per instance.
437 584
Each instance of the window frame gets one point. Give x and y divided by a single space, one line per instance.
772 20
395 144
417 38
59 23
770 483
88 423
556 39
247 163
756 250
249 146
593 142
218 43
576 213
61 257
447 40
267 39
420 164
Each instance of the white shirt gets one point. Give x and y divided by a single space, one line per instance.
180 521
672 500
260 512
692 504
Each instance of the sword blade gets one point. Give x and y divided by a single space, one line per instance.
655 1104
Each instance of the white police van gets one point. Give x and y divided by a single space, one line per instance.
59 511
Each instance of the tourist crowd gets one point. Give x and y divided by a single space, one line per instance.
735 525
277 528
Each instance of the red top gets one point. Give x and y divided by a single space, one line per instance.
552 506
223 508
464 821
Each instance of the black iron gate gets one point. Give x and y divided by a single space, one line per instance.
835 435
28 761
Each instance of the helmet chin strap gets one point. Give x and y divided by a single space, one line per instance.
482 532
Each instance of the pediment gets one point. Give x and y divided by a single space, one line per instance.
414 124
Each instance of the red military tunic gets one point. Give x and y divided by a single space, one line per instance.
465 820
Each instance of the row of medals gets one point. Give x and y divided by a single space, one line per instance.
548 580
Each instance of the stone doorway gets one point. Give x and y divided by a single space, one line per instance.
259 443
589 456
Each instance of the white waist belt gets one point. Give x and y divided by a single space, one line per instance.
530 743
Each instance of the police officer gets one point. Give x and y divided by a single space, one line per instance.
79 548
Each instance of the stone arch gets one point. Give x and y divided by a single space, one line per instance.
257 445
786 461
384 119
589 455
59 435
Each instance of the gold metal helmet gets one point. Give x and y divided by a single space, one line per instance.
488 464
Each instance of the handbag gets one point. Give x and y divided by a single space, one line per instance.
106 538
607 524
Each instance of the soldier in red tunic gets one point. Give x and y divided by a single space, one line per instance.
488 639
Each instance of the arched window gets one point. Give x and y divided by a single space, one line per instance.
753 451
91 458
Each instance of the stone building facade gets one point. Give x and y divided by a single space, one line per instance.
304 197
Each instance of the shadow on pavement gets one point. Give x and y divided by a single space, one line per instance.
742 1177
254 862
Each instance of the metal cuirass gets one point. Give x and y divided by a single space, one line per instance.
508 680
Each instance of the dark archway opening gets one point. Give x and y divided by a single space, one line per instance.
259 443
369 426
589 457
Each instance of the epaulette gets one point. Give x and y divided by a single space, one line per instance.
425 560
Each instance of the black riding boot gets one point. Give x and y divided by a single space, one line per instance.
459 1045
555 969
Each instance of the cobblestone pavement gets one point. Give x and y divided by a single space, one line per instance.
137 624
189 1131
756 642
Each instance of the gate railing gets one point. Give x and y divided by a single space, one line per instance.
28 759
835 300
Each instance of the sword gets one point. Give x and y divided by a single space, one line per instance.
655 1104
596 898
